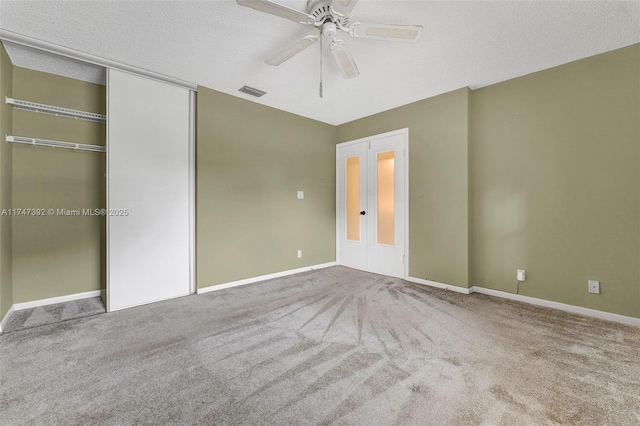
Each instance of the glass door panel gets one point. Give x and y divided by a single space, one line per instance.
386 197
353 198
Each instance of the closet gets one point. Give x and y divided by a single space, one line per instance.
109 171
58 168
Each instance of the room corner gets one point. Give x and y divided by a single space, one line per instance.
6 286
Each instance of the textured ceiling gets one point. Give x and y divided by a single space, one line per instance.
33 59
221 45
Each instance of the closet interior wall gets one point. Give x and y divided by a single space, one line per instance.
60 254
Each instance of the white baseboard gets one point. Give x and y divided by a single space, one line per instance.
53 300
4 321
436 284
264 277
557 305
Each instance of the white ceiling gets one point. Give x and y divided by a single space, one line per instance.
38 60
221 45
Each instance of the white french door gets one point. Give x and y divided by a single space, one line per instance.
371 208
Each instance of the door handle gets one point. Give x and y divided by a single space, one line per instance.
363 212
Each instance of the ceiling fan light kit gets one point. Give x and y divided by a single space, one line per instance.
329 17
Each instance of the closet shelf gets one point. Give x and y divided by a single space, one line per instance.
50 109
55 144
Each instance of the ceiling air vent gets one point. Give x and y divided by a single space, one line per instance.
252 91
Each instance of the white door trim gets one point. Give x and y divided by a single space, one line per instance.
107 275
192 192
404 132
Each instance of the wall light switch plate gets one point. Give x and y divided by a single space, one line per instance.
300 195
594 286
520 274
299 254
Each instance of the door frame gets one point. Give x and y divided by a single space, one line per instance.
404 132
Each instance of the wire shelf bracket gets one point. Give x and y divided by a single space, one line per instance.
55 144
54 110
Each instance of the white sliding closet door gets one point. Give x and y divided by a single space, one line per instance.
148 234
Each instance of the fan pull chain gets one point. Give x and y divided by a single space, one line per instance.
321 52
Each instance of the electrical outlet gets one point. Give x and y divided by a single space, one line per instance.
594 286
520 274
300 195
299 254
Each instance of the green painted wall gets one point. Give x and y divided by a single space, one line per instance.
541 172
555 173
56 255
6 81
438 181
251 160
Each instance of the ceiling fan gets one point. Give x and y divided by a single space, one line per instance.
328 18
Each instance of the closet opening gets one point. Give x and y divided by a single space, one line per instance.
56 139
97 185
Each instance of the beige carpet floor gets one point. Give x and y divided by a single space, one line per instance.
334 346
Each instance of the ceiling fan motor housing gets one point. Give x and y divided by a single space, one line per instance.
321 11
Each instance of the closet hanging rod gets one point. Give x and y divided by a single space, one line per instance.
55 144
50 109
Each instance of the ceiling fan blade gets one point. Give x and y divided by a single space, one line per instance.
343 7
292 50
276 9
403 33
343 58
